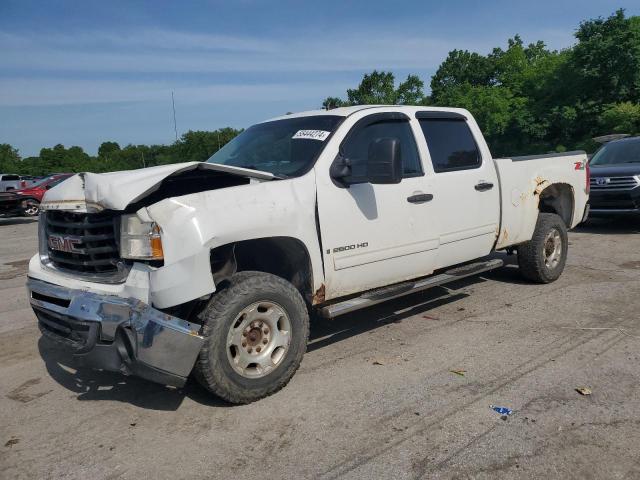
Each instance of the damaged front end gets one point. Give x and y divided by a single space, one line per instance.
117 334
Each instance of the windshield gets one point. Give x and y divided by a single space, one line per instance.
286 148
42 182
615 153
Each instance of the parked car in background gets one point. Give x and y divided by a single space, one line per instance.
9 181
615 178
26 201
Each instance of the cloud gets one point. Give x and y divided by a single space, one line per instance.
173 51
70 68
43 92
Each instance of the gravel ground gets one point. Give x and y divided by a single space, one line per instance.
375 396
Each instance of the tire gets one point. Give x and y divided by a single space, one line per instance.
32 209
536 260
252 313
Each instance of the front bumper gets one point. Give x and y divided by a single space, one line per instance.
615 202
117 334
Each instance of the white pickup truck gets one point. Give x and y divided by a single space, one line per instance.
215 268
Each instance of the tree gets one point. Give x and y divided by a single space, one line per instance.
607 58
459 68
107 148
621 118
9 159
378 88
198 146
375 88
410 92
330 103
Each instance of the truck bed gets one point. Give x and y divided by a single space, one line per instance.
522 179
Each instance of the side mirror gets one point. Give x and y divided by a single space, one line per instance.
384 161
340 169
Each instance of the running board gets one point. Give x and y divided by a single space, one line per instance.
380 295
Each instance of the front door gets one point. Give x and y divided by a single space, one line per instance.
375 235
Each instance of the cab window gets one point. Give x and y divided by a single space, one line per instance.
451 144
356 147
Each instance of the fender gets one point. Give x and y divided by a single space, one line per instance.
195 224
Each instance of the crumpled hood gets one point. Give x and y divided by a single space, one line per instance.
87 192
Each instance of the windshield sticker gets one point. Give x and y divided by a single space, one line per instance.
312 135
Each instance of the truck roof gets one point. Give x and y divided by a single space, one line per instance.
346 111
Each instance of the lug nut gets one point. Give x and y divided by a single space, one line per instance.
244 334
249 349
265 341
266 330
258 349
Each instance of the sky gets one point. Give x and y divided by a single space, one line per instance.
84 72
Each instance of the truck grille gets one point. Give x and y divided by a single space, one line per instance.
83 242
613 183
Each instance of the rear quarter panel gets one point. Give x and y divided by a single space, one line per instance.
523 179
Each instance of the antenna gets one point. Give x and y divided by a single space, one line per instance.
173 104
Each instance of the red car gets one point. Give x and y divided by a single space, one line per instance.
32 196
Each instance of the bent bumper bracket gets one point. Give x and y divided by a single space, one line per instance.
117 334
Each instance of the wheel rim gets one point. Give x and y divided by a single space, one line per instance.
258 340
552 249
32 209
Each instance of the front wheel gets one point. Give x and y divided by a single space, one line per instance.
542 259
256 332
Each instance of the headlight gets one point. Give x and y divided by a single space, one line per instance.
140 240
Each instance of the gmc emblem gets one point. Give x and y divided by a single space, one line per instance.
64 244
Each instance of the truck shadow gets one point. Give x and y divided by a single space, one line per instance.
327 332
97 385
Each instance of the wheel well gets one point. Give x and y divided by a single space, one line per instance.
284 257
558 199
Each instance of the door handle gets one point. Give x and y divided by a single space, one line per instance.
420 198
484 186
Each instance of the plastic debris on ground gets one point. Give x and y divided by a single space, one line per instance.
584 390
504 411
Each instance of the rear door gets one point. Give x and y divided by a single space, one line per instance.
375 235
466 186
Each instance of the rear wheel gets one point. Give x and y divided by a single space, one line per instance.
542 259
256 333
